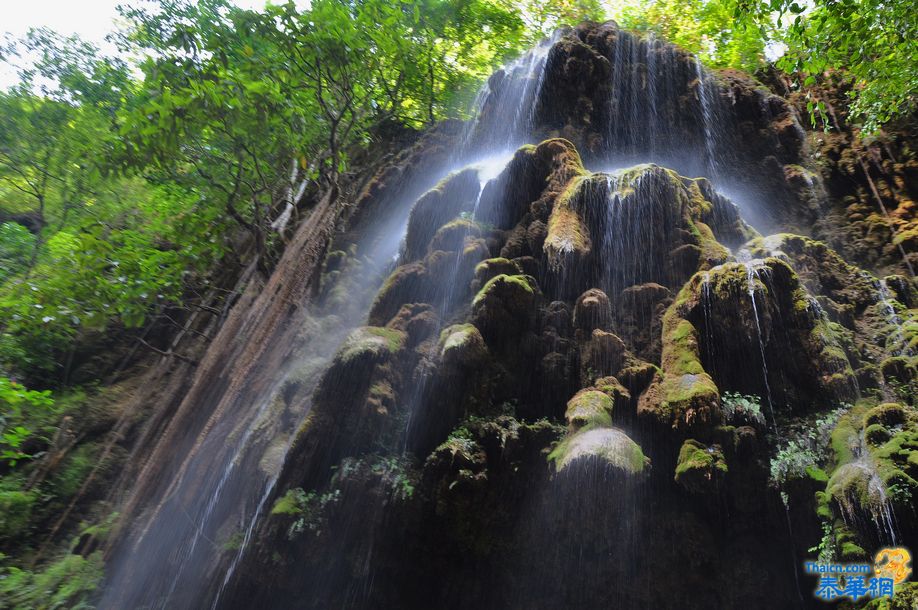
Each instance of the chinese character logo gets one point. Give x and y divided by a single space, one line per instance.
891 566
893 563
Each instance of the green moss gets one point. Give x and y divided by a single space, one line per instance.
462 344
905 597
523 282
608 446
372 342
394 338
712 251
823 508
568 234
884 476
844 439
381 391
699 466
492 267
589 408
683 394
611 387
846 543
452 236
817 474
876 434
291 503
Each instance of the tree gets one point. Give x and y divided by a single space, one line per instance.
705 27
874 42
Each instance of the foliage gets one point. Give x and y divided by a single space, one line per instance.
792 462
743 409
806 450
873 42
111 246
15 512
20 409
16 243
307 510
66 583
705 27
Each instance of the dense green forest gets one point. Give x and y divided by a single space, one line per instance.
133 186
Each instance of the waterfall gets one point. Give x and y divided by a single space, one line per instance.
751 276
709 126
225 472
511 107
892 317
878 505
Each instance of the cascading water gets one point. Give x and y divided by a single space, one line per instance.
708 120
513 105
751 276
888 310
878 506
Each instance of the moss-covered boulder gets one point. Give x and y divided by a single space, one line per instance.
369 345
700 468
505 305
455 193
452 236
603 448
591 311
682 395
491 268
602 356
875 451
589 407
568 240
417 320
461 345
407 284
820 269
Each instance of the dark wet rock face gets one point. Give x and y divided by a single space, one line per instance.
579 388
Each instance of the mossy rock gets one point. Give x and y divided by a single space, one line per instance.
418 320
407 284
846 544
682 394
589 407
700 468
604 447
879 476
613 388
463 346
568 237
492 267
821 269
370 344
905 597
452 236
899 369
591 311
602 356
876 434
438 206
505 305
